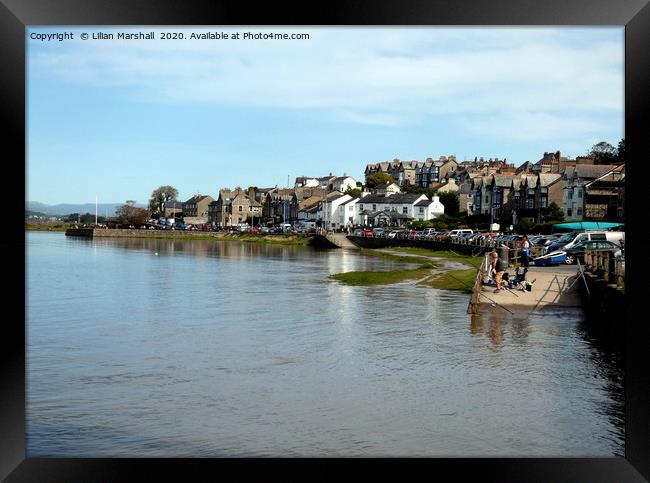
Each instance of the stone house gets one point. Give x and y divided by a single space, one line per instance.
197 207
280 206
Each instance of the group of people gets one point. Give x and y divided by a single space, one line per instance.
499 265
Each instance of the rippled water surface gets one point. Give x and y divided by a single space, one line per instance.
206 348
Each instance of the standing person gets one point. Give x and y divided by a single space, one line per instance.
525 252
498 267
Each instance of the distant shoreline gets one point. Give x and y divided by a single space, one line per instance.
278 239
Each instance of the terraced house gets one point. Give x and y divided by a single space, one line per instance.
195 210
500 186
233 207
605 182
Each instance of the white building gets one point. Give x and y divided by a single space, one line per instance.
428 209
306 182
343 183
402 207
387 189
329 214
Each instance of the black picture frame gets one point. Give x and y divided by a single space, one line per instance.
15 15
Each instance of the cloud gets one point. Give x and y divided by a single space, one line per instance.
534 126
375 76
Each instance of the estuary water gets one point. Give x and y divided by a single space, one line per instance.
177 348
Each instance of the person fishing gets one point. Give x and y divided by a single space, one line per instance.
498 266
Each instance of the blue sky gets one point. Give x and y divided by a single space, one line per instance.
118 118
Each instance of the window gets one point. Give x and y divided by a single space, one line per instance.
579 213
569 212
569 194
421 209
486 199
579 193
598 236
361 207
404 210
374 207
240 208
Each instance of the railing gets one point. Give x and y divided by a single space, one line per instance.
472 308
606 266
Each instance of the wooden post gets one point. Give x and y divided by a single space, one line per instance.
620 279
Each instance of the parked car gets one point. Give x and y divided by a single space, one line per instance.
367 232
358 232
560 242
577 251
579 237
460 231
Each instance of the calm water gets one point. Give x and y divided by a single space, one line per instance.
229 349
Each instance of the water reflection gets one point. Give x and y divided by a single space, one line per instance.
230 349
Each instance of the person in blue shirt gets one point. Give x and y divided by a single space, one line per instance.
525 252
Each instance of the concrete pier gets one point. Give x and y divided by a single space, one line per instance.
551 286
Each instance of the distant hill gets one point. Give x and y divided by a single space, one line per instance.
68 208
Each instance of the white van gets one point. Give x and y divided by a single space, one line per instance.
617 237
460 231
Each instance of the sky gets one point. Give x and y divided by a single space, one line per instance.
118 118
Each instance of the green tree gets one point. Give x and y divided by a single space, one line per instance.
420 224
160 197
524 226
429 192
552 213
450 202
620 155
130 214
354 192
603 153
479 221
378 179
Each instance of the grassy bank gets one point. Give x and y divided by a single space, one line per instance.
380 278
299 240
447 255
399 258
41 226
461 280
271 239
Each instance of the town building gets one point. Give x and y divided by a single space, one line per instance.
195 210
396 209
601 183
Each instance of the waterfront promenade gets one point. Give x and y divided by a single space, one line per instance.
551 287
